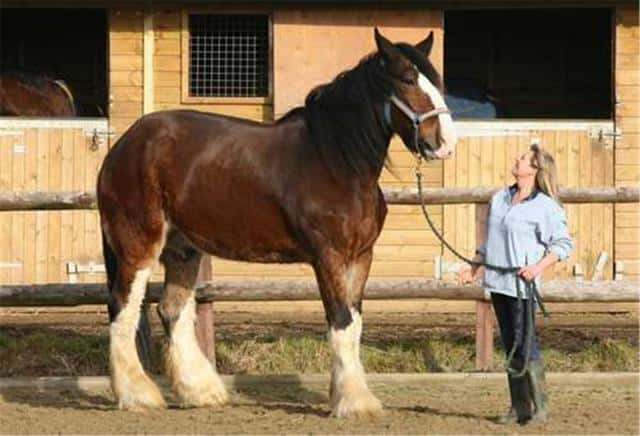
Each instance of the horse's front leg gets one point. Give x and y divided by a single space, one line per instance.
341 286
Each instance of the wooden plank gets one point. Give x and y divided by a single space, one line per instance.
54 266
92 239
399 198
627 156
18 224
168 95
125 23
252 112
6 182
79 180
629 108
148 73
123 109
169 47
306 289
484 336
627 251
126 47
41 217
627 46
167 79
628 93
30 184
627 174
128 62
66 218
628 125
205 331
127 94
627 77
164 62
125 78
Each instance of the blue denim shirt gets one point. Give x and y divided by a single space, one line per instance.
522 235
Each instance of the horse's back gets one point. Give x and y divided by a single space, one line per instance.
216 179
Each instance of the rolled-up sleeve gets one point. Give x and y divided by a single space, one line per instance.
555 234
482 249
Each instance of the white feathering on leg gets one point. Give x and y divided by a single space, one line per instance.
350 395
132 386
192 376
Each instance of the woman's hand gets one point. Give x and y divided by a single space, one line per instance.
530 272
469 275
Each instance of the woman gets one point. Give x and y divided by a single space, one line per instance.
526 226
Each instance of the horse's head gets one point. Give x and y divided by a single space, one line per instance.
416 109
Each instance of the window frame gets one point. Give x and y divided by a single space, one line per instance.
185 96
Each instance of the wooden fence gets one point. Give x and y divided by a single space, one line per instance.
66 294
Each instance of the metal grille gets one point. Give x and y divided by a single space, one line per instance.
228 55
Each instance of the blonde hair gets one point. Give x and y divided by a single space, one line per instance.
547 175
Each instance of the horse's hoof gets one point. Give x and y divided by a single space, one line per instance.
361 404
209 392
205 399
141 401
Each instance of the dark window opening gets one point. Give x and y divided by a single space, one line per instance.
546 63
228 55
60 44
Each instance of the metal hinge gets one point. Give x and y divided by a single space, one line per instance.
99 137
604 137
73 269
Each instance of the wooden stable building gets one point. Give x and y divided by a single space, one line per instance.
563 73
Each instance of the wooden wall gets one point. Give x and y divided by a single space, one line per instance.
36 246
305 54
581 163
169 33
627 154
125 67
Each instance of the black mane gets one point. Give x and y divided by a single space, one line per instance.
344 116
345 119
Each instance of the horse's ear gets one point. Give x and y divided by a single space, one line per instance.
426 45
385 47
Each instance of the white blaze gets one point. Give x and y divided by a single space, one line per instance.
447 129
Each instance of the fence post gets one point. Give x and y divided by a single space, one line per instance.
205 330
484 315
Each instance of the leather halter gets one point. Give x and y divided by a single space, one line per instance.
415 117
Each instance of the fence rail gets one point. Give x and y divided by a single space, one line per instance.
20 201
66 294
74 294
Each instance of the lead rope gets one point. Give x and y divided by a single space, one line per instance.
531 287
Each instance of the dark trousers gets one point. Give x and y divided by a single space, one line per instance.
512 320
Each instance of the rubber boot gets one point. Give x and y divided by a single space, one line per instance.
537 391
520 411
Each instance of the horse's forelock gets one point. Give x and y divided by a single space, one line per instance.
422 62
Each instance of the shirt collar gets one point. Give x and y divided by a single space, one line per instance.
514 188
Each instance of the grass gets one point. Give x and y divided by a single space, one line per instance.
41 351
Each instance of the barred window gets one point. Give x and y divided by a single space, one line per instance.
228 55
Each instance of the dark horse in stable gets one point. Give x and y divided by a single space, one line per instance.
303 189
34 95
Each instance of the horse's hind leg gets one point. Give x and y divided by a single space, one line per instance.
341 287
132 386
192 376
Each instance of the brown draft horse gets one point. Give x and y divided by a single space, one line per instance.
33 95
303 189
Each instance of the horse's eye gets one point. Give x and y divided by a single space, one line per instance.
408 80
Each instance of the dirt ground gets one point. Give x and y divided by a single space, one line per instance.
580 404
591 403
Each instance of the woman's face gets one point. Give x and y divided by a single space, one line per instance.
522 166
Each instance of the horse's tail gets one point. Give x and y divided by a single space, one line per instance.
67 92
143 334
111 265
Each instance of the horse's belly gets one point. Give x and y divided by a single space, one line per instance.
237 232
